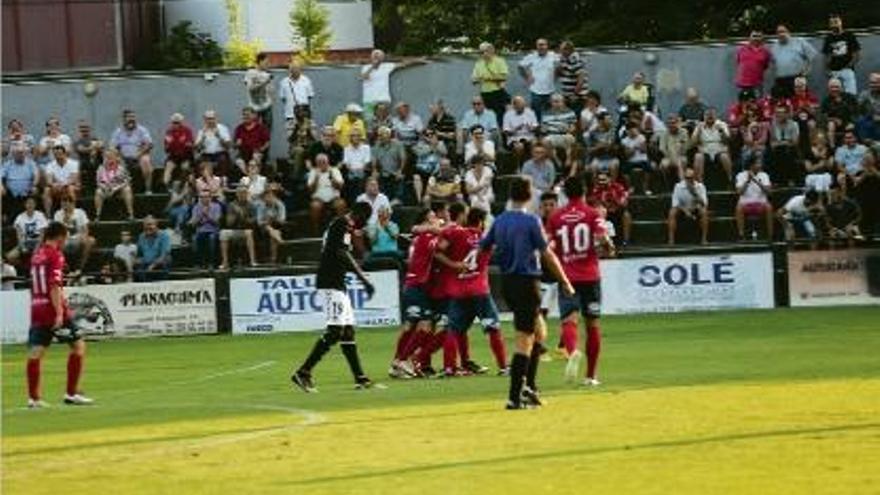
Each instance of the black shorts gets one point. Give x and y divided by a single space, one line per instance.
43 336
523 295
587 299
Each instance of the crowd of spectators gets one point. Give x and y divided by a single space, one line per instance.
230 201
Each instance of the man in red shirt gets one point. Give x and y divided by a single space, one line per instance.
615 198
752 60
576 229
251 139
469 294
51 318
178 148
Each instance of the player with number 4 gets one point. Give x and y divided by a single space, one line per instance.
576 228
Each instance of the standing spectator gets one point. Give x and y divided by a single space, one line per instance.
689 203
79 243
89 152
19 177
296 91
443 124
849 158
558 126
153 253
428 152
710 138
867 190
112 179
407 125
356 159
589 117
135 145
62 179
692 110
179 145
210 184
842 52
636 93
480 146
179 205
602 147
376 199
798 213
29 226
614 197
54 137
348 122
205 219
327 145
539 71
479 115
784 156
839 110
843 216
301 135
752 60
792 56
213 142
383 234
325 185
239 223
271 215
478 184
381 118
635 153
444 185
520 126
389 159
251 141
490 76
16 133
819 165
126 253
376 82
753 187
258 82
541 169
572 72
254 181
673 144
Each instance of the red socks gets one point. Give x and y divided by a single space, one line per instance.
430 343
74 369
33 378
569 336
403 344
496 343
450 350
594 344
464 347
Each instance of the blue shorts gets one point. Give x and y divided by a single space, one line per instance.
463 311
441 311
43 336
587 299
417 306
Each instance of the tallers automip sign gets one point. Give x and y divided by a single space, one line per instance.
687 283
293 304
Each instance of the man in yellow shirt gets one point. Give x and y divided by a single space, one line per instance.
347 122
490 76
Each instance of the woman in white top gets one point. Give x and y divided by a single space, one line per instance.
255 183
478 184
479 145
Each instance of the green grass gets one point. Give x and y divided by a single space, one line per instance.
217 414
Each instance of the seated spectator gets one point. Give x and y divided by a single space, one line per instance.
843 217
29 226
348 122
478 184
383 234
444 185
356 159
301 135
614 197
89 152
389 160
558 125
112 180
635 153
79 243
690 204
602 148
479 115
443 124
541 169
649 123
209 183
636 93
43 152
755 136
868 124
19 177
179 144
376 199
62 179
673 145
784 156
381 118
692 110
179 205
428 152
520 125
752 60
866 192
848 158
251 141
325 187
798 213
213 143
736 113
407 126
134 143
479 145
327 145
239 223
254 181
16 133
868 129
839 109
804 109
205 220
753 187
126 253
710 138
589 117
819 166
153 253
271 215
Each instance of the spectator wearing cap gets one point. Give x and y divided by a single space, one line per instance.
478 183
479 115
443 124
19 178
444 185
179 145
673 145
792 57
603 150
636 93
615 198
112 180
752 60
711 138
325 185
784 142
407 126
16 133
538 69
558 127
251 141
692 110
295 91
89 152
572 73
690 204
356 158
375 198
213 143
153 260
62 179
389 160
839 110
327 145
54 136
239 222
271 215
429 151
753 187
383 235
135 145
205 220
842 52
258 82
798 216
520 128
348 122
490 76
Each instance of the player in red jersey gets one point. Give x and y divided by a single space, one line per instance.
469 294
575 230
51 319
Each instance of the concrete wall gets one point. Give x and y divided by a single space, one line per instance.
709 68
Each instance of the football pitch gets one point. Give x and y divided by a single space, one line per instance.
753 402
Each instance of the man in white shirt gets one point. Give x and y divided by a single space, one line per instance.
295 90
62 179
324 183
258 81
29 227
374 198
539 71
689 203
213 142
356 157
79 242
753 187
376 82
797 215
710 138
135 145
520 124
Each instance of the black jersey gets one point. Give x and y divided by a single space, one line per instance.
334 260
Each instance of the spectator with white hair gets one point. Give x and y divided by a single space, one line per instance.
213 143
868 124
374 197
135 145
376 81
258 81
792 57
407 125
356 159
328 145
389 161
520 128
711 138
179 146
539 71
296 91
112 179
842 51
636 93
692 110
490 76
325 185
839 109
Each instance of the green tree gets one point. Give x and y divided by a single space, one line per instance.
238 51
182 48
310 23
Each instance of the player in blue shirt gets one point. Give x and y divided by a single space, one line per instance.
522 248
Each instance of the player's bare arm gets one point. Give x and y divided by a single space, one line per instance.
552 262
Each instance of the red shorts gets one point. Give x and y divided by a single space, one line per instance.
754 209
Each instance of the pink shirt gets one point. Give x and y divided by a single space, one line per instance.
751 62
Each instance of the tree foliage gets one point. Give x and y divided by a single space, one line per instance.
238 51
183 48
310 23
